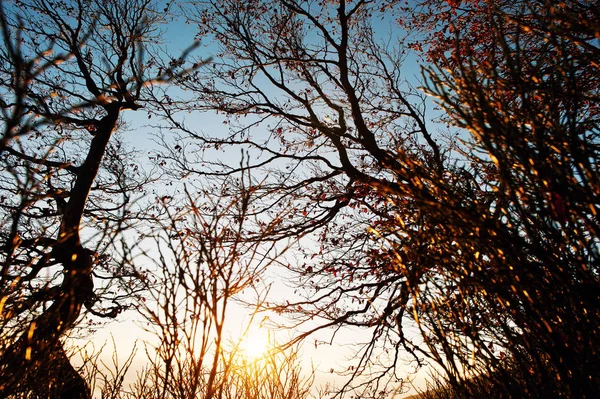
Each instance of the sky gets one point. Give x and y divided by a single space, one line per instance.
141 135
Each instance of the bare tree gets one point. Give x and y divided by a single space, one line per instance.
446 249
343 136
68 72
204 264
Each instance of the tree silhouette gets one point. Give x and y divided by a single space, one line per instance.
203 267
474 249
529 98
69 70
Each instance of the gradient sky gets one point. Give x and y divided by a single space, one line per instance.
141 135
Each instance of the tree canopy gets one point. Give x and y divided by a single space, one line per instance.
462 234
69 71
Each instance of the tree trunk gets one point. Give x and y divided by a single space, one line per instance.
32 359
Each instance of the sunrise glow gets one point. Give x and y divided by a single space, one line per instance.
255 345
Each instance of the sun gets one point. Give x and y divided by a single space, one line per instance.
255 345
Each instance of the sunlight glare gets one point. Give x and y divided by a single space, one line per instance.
255 346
